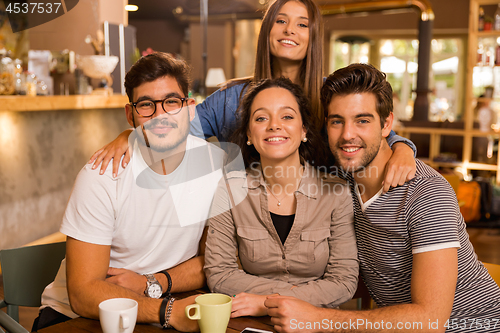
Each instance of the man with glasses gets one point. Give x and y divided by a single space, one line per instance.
137 234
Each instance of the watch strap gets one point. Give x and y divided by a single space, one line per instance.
151 278
150 281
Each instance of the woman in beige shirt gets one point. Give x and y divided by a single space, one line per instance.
289 224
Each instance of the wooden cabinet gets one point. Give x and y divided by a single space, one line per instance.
478 68
479 94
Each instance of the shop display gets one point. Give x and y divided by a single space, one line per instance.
480 23
7 83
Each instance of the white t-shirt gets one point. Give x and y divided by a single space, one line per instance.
152 222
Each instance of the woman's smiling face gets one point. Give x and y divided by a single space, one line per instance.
289 36
275 127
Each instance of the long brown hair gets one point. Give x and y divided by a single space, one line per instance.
311 73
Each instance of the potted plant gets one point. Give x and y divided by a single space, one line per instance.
488 23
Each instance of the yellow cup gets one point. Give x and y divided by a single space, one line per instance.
212 312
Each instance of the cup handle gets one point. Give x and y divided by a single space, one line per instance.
196 315
124 321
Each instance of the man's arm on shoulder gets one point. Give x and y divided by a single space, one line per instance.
433 284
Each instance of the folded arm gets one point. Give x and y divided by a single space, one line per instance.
186 276
87 265
223 274
433 283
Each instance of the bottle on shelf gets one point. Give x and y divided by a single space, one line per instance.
480 23
497 18
480 55
488 59
497 55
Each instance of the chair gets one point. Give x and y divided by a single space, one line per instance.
494 271
26 272
364 300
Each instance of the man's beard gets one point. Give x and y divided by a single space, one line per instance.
162 142
370 152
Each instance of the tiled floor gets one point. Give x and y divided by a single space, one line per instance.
486 243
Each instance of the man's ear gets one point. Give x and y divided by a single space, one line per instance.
388 125
129 111
192 108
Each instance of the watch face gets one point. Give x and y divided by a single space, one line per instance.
154 290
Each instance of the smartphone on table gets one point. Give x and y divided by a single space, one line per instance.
254 330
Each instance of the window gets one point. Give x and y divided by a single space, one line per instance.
398 58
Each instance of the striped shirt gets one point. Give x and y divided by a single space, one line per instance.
421 216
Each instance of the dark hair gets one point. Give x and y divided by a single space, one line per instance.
356 79
311 73
154 66
312 151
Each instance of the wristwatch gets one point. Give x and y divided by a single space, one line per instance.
153 287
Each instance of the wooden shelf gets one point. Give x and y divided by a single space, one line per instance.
442 164
489 33
71 102
445 131
470 165
434 147
469 132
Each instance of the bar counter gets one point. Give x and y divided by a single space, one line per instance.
42 152
52 103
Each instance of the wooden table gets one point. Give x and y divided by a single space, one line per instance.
83 325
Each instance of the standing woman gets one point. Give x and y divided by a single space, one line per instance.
290 223
290 45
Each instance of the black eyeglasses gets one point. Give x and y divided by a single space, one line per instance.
171 105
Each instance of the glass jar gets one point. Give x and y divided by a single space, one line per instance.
19 77
41 88
7 74
31 83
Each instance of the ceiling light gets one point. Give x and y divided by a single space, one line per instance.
131 8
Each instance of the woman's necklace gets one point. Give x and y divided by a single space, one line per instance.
271 191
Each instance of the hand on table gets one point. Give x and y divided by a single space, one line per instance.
178 318
127 279
283 309
248 305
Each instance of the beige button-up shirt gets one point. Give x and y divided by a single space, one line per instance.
319 256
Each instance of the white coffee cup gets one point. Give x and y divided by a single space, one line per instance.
118 315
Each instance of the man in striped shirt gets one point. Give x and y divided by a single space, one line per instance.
415 255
